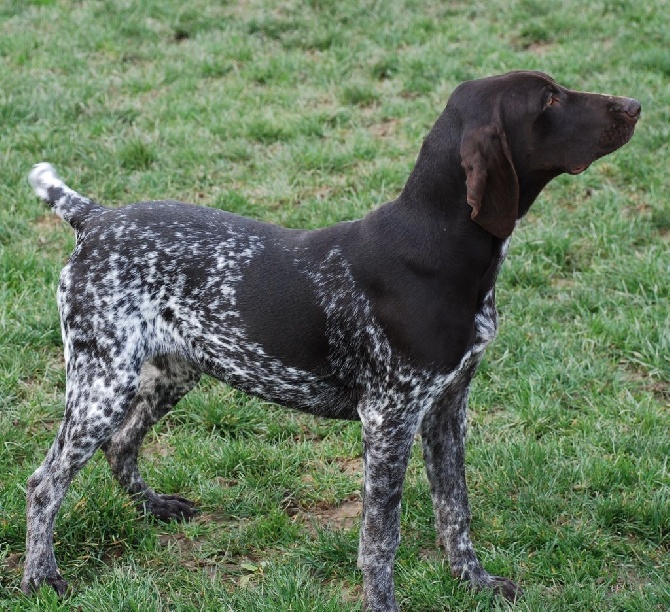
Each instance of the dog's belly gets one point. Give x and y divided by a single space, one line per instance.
230 356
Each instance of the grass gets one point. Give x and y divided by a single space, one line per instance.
306 113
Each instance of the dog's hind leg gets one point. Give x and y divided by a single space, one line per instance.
443 432
163 382
95 406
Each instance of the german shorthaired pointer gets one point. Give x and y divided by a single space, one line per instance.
384 319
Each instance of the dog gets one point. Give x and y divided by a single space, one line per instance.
382 320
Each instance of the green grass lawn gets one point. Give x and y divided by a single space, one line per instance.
306 113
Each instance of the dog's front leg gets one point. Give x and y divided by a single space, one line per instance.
443 432
387 441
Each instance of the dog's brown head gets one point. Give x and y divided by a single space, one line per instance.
522 129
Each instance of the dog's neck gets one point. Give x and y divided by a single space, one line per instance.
530 188
438 180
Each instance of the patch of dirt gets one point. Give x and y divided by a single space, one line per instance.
115 551
50 229
13 561
48 221
225 483
183 545
563 283
539 48
385 128
155 449
342 515
351 466
40 379
206 518
345 515
352 594
629 580
432 554
658 388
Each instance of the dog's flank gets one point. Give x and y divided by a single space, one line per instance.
384 319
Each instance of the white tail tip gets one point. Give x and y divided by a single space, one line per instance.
42 177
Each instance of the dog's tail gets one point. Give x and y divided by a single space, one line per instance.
66 203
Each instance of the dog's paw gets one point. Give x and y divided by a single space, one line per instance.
505 587
32 584
481 580
168 508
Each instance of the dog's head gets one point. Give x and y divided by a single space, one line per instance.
522 129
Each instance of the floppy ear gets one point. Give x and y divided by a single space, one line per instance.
491 180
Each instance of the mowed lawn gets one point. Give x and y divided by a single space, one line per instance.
306 113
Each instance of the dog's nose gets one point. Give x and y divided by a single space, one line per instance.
630 106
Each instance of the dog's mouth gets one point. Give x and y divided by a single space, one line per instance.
613 138
578 169
617 135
